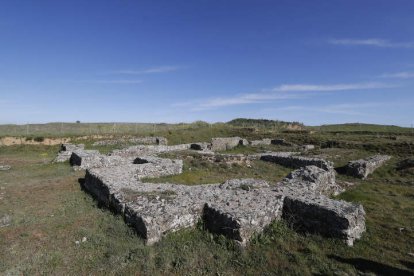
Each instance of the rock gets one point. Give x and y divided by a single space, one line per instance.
84 239
308 147
5 167
364 167
227 143
5 220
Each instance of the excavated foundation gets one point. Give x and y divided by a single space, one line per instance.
237 208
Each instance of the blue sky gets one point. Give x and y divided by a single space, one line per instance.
316 62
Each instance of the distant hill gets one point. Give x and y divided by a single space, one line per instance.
264 123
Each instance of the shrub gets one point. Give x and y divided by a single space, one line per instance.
39 139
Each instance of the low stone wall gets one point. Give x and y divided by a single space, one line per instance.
261 142
294 161
227 143
313 180
140 150
364 167
229 159
201 146
325 216
66 152
79 157
136 140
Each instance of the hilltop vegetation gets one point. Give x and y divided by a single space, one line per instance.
360 127
264 123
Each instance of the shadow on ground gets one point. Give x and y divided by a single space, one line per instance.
372 266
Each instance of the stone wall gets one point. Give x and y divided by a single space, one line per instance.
364 167
261 142
148 150
227 143
294 161
229 159
325 216
313 180
136 140
66 152
201 146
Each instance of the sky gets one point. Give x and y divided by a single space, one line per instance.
316 62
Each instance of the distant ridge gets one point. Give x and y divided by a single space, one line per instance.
264 123
361 127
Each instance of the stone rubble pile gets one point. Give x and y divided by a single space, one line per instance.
237 208
364 167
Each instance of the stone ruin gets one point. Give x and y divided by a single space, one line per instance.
237 208
364 167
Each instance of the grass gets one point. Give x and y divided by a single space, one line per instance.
49 213
204 172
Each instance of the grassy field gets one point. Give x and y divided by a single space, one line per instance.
50 216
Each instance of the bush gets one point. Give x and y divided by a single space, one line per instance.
39 139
